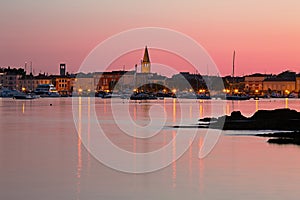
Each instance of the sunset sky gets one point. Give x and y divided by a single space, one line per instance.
264 33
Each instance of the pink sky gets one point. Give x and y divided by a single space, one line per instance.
265 34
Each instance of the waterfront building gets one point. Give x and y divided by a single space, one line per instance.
279 85
30 82
10 81
106 81
150 82
64 84
234 84
84 84
254 82
298 84
184 81
283 84
9 77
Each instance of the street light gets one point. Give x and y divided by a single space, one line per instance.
287 92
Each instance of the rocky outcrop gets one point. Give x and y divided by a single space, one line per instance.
283 137
278 119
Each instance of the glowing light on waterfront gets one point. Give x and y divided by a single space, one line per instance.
287 92
226 91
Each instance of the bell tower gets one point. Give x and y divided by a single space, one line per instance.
62 69
146 65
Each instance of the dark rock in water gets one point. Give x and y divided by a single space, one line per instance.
283 137
237 115
294 134
284 141
208 119
278 119
276 114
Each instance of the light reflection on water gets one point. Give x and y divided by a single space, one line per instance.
174 158
79 160
32 132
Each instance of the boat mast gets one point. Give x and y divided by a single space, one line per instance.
233 62
31 77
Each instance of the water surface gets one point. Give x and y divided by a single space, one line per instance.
42 157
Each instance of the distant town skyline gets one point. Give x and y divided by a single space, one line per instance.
264 34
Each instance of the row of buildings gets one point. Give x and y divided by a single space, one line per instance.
282 84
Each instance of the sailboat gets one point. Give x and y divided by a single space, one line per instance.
233 96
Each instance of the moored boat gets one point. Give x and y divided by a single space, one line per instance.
142 96
26 96
203 96
237 97
46 90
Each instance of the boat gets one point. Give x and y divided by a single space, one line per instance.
187 95
203 96
46 90
142 96
111 95
125 96
237 97
26 96
52 94
7 93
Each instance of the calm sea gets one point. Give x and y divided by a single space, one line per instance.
42 157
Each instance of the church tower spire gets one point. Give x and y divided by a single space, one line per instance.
146 64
